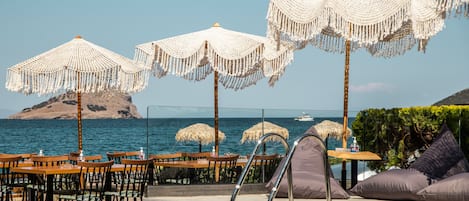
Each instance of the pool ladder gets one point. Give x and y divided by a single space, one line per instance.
286 168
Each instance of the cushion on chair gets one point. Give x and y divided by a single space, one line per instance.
308 174
395 184
455 187
443 158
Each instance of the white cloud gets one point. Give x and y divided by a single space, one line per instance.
371 87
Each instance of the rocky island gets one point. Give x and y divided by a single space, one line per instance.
108 105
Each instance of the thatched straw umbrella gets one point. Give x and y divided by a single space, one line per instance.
330 128
199 132
255 132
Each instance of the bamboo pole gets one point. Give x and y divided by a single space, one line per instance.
80 144
215 96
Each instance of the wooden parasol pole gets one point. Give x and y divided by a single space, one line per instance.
346 87
80 145
215 96
345 123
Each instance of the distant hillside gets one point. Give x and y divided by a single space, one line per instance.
459 98
109 105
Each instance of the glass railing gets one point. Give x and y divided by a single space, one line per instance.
163 122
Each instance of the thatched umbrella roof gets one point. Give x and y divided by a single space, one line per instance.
331 128
199 132
256 131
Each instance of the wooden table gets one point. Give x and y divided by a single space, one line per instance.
49 172
354 157
196 164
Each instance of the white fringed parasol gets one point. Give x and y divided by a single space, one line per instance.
78 66
237 59
386 27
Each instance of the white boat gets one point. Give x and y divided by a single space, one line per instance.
304 117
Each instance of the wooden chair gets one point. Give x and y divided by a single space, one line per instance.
169 174
93 176
262 168
115 156
198 155
95 158
7 179
222 169
61 182
118 156
134 180
132 155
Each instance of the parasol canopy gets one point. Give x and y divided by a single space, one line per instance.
332 129
255 132
238 60
199 132
387 28
79 66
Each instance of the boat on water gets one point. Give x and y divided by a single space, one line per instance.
304 117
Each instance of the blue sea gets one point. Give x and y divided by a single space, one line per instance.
154 135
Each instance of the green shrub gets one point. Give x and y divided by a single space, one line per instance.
397 134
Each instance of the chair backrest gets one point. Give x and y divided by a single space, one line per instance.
95 158
115 156
132 154
223 169
198 155
263 168
93 176
134 178
6 163
168 157
49 160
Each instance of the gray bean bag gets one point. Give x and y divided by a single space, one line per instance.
308 174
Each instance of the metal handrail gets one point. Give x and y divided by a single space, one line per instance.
247 167
288 164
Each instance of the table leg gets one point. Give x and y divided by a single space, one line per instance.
50 186
344 175
354 172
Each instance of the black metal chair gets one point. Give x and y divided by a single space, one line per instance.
222 169
263 168
169 175
7 179
134 180
38 184
92 181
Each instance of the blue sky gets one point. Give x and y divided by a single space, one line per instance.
314 80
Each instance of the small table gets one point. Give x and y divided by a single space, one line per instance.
354 157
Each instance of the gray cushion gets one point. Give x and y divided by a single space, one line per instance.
395 184
443 158
455 187
308 174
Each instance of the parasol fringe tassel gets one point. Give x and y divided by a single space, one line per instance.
366 34
294 30
29 82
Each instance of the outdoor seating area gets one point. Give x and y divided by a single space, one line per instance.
34 177
284 137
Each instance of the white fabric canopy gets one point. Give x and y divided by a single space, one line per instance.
386 27
78 66
241 59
